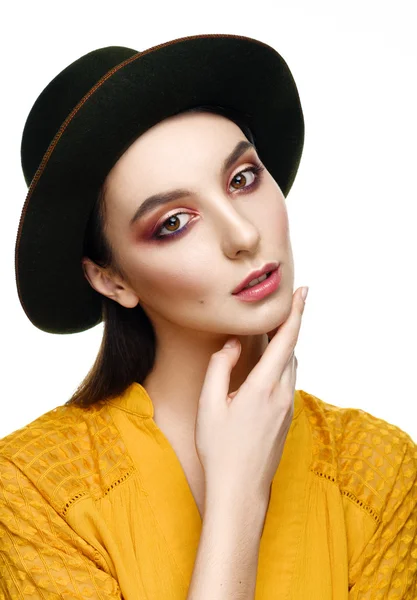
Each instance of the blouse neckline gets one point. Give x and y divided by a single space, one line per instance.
137 401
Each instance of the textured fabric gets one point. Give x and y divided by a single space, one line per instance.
94 503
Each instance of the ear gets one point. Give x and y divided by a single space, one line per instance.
108 284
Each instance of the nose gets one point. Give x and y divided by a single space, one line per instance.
239 233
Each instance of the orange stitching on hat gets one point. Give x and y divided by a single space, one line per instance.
69 118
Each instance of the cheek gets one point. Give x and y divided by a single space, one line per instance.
281 221
183 279
273 223
175 279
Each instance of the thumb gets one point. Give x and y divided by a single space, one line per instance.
217 380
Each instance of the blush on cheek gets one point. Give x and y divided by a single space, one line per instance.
190 283
175 283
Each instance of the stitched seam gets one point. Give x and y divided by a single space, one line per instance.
320 474
97 553
71 502
365 507
115 483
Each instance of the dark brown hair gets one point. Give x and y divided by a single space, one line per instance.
127 350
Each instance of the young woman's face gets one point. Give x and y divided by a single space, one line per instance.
182 259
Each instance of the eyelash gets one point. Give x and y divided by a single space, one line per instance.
256 169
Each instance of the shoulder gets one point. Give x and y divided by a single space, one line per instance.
67 453
373 462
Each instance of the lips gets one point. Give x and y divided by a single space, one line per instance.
255 274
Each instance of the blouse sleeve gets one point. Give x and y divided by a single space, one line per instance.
387 566
40 555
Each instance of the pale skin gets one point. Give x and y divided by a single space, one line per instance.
200 391
184 284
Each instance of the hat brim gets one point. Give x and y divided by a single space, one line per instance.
228 70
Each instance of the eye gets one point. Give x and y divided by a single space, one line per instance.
242 179
171 221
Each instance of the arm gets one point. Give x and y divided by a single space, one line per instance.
40 555
387 565
227 556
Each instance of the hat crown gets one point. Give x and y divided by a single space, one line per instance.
93 110
59 98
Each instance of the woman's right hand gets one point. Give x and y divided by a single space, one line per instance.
240 436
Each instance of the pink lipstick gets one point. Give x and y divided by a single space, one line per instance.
262 289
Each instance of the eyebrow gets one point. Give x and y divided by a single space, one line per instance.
159 199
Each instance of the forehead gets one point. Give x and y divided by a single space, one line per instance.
187 135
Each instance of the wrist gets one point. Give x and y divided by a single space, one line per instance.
241 509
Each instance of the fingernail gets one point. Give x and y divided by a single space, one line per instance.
230 343
304 292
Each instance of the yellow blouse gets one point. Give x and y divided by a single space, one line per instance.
94 504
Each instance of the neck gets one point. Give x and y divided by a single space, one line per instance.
175 383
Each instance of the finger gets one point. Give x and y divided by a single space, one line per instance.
293 362
288 375
283 393
232 394
217 379
277 354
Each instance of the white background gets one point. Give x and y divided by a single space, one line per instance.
352 208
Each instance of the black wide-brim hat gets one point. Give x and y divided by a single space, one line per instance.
93 110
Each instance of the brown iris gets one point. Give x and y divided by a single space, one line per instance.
241 179
167 222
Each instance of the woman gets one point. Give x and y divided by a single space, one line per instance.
181 467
